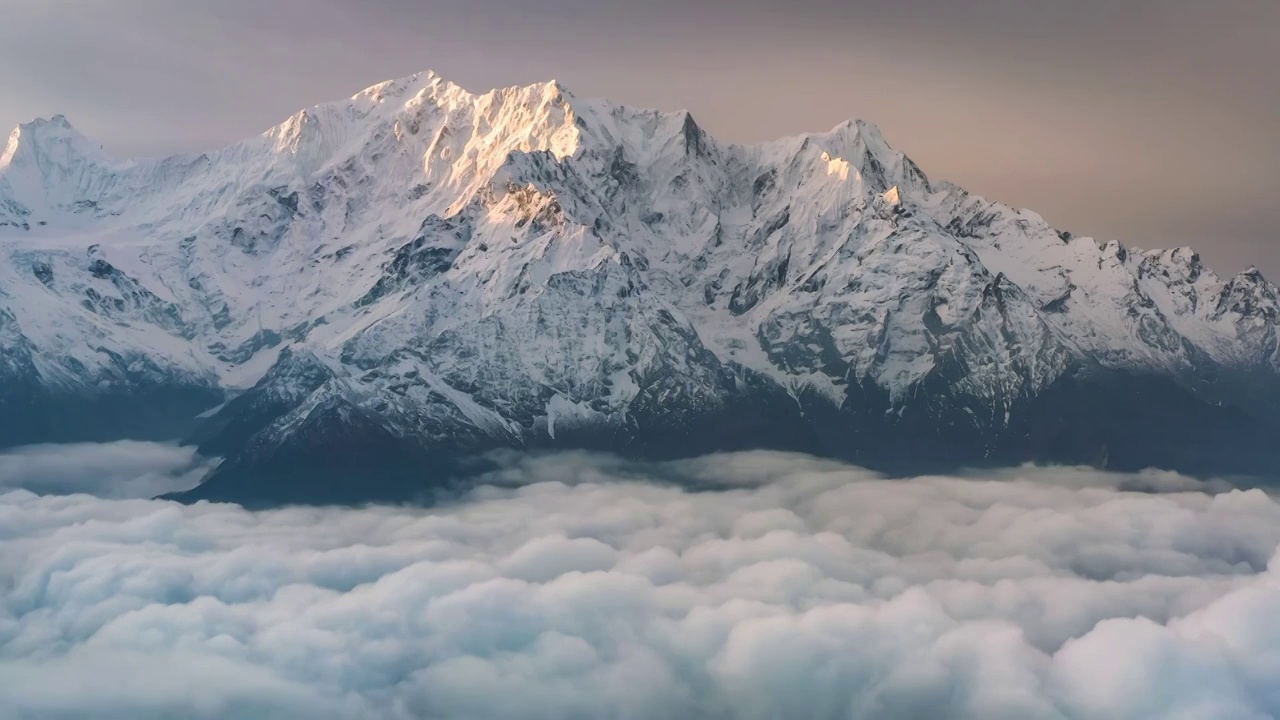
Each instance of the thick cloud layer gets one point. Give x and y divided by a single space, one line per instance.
576 586
124 469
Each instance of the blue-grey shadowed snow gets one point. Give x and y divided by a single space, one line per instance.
123 469
802 588
1156 123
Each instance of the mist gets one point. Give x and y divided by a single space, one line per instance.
122 469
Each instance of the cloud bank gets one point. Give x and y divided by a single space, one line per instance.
576 586
124 469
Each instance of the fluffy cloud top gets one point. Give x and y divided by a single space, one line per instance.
121 469
575 586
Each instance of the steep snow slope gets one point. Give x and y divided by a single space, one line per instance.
525 267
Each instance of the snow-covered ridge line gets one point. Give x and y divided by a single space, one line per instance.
506 266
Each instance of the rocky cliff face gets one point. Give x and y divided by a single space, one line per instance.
418 273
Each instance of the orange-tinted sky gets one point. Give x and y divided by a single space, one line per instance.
1157 123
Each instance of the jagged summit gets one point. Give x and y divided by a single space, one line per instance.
1252 272
51 139
450 271
326 128
45 164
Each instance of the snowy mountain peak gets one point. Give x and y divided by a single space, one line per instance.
1253 273
525 266
398 87
45 165
48 140
420 118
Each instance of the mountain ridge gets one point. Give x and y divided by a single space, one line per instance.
528 268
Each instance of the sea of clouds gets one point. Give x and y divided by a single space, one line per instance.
752 586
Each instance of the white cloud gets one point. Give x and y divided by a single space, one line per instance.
801 589
124 469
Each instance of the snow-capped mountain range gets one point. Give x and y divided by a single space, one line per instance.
419 272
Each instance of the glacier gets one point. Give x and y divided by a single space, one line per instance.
349 303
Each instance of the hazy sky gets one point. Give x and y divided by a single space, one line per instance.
1155 122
